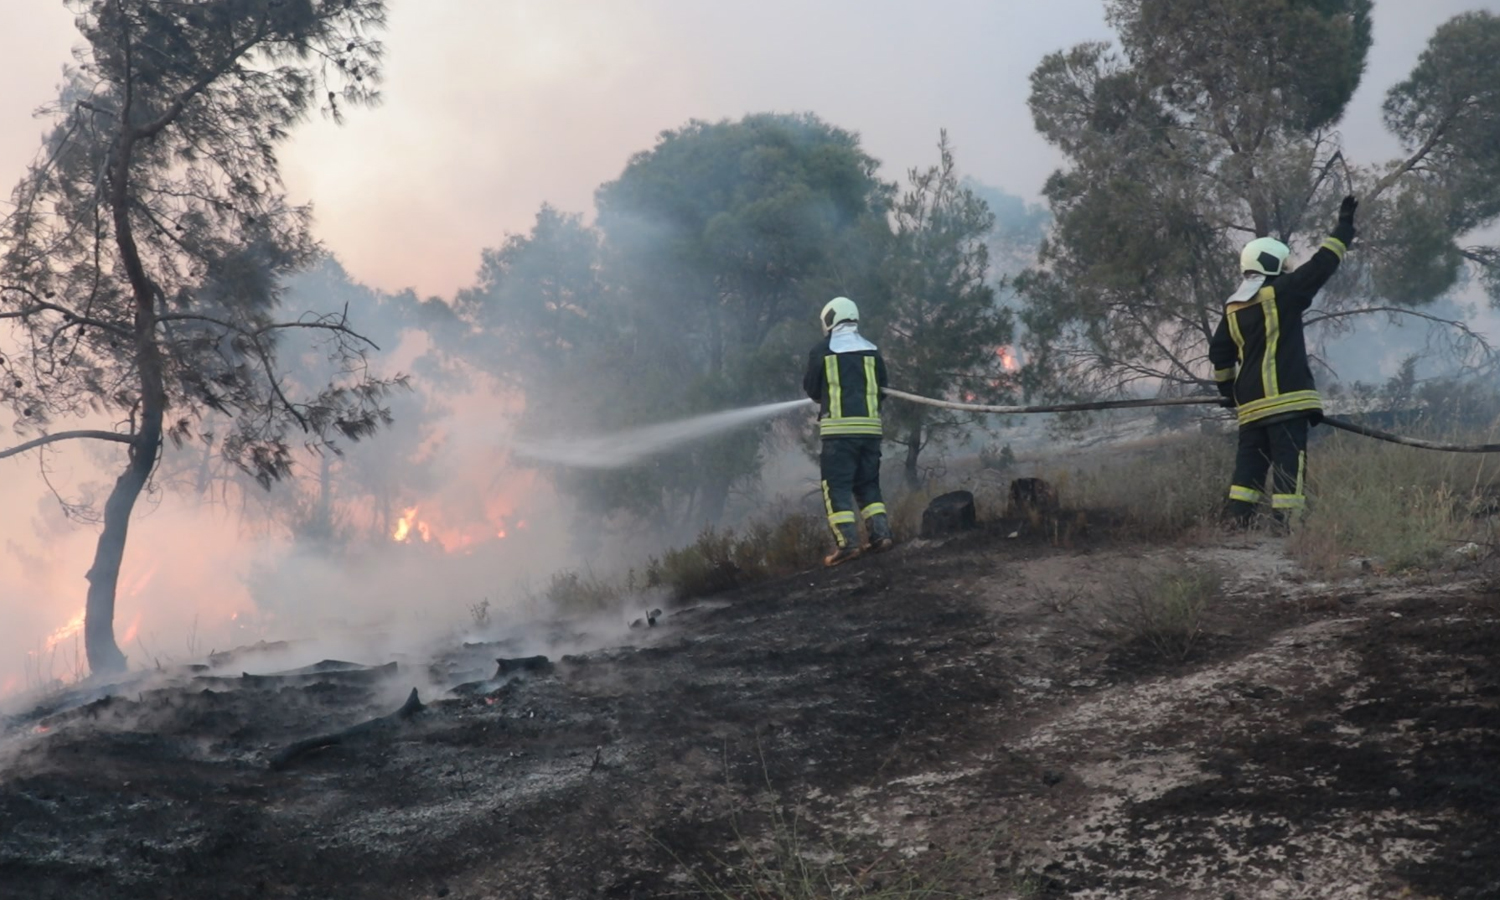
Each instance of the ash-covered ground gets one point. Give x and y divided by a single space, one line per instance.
967 717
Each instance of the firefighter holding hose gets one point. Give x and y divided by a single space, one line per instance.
1260 365
845 374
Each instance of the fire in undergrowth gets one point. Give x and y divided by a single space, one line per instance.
456 534
408 525
1008 360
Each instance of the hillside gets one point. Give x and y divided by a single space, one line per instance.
988 717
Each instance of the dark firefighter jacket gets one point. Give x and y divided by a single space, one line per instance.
1258 351
846 385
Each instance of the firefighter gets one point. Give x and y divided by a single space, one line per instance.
845 375
1260 365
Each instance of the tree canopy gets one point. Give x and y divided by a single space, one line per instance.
697 290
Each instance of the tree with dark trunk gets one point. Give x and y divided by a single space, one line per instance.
941 329
143 259
1215 123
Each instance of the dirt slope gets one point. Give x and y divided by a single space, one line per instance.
945 713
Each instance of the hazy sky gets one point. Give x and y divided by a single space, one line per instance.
495 106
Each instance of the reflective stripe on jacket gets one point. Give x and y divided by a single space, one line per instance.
846 386
1259 352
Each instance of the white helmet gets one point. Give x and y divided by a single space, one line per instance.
1264 255
837 310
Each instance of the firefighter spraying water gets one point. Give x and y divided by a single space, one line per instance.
845 377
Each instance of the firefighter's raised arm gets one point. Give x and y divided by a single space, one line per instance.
1301 284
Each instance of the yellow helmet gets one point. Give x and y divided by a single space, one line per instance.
838 310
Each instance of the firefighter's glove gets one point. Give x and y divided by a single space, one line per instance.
1345 230
1226 395
1346 210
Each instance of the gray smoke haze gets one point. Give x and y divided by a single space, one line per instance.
493 109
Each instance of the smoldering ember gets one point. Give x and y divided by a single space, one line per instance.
457 451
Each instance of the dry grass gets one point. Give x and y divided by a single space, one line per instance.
584 593
1403 508
1159 493
720 560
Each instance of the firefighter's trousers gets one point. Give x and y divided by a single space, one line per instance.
851 482
1281 449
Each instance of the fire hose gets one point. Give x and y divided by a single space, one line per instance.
1096 405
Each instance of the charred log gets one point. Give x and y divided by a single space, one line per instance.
305 676
504 669
293 752
505 666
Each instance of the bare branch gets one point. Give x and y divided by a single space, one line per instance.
1460 326
325 323
1411 162
46 439
39 304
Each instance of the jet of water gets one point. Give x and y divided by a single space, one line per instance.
625 448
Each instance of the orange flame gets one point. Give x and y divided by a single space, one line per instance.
409 522
1008 360
73 627
133 629
41 729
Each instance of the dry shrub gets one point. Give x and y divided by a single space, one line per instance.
581 593
1156 611
720 560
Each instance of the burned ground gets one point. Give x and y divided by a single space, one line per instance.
953 715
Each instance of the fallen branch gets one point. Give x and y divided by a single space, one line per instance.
293 752
366 675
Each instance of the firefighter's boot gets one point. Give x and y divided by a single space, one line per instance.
881 539
848 548
1239 515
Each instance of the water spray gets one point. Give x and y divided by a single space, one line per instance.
626 448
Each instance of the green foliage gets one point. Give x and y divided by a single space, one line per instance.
941 329
996 458
1451 104
1308 56
697 292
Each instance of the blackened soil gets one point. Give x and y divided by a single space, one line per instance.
937 714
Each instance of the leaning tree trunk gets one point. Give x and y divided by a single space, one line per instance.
104 654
